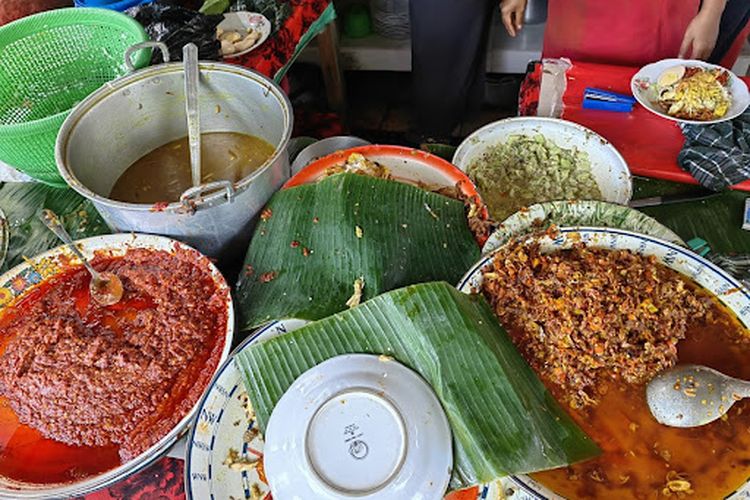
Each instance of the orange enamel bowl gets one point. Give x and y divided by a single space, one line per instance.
405 163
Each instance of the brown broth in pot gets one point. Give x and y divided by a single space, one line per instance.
164 174
638 453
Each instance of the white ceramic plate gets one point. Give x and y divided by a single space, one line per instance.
728 290
358 426
242 21
577 214
221 424
643 89
19 280
607 165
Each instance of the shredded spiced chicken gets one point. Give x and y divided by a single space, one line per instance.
584 315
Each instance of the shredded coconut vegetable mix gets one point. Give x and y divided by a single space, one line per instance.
531 169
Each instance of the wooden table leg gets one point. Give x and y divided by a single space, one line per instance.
333 75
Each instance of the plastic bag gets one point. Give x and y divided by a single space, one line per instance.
276 11
177 26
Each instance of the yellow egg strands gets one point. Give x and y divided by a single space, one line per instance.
699 95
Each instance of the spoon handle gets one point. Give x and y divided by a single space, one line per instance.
740 388
51 220
190 61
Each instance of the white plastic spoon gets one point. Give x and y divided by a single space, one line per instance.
693 395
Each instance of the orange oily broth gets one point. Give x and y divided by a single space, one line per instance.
165 173
638 452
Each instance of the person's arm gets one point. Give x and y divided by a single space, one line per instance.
701 34
512 12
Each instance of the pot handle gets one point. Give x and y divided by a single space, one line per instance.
145 45
189 199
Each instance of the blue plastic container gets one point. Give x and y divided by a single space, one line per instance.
118 5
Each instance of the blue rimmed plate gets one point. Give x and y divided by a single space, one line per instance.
222 423
577 213
706 274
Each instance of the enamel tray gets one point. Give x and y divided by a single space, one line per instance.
577 213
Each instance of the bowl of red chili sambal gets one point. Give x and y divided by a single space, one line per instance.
90 394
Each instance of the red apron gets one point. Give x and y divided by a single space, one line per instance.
627 33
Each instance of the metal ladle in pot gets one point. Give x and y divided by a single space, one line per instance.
192 74
105 288
693 395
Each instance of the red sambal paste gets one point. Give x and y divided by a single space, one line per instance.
83 387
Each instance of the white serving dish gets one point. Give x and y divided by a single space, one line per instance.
642 86
242 21
607 165
358 426
708 275
19 280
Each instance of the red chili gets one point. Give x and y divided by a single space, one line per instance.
159 206
269 276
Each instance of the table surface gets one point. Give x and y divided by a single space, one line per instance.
650 144
718 221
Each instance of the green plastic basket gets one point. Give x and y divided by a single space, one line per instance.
49 62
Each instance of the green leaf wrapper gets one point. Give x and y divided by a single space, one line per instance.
314 241
503 419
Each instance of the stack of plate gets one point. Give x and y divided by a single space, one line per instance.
390 18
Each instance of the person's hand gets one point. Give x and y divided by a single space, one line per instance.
700 36
512 12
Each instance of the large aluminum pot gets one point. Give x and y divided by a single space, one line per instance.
127 118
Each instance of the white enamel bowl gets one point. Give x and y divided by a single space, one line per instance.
22 278
607 165
712 278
